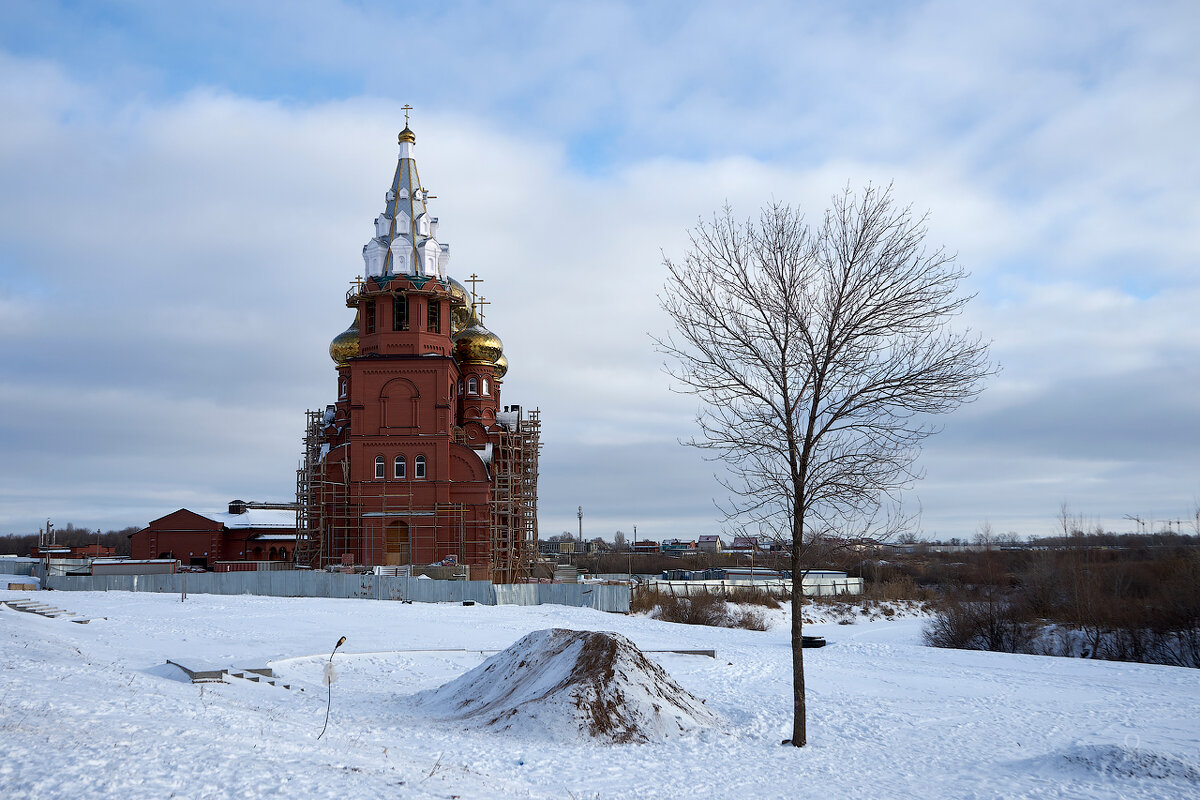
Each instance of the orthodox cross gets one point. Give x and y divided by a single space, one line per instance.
473 280
357 283
479 304
406 108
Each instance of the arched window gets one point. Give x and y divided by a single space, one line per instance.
419 467
378 468
273 555
400 466
472 386
345 386
485 385
283 554
460 387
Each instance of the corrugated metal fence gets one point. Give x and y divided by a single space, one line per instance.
302 583
19 566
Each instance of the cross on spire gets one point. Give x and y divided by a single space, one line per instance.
473 280
479 304
406 108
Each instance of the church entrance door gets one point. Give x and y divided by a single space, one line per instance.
396 547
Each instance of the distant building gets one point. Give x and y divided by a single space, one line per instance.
79 551
711 544
679 547
646 546
246 532
744 544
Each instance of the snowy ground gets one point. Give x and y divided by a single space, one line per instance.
92 710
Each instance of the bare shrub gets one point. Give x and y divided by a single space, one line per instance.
753 597
901 589
704 609
989 624
749 618
699 609
643 602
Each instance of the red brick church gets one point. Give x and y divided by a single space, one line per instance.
417 461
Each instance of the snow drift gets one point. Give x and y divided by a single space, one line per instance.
566 684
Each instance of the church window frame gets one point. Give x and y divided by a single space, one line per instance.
473 385
400 312
460 385
369 316
399 468
485 388
433 316
419 467
380 466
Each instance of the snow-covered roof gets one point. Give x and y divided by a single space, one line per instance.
485 454
256 518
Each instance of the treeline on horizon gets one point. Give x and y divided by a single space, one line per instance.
69 536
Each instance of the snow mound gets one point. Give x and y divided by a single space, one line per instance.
561 683
1131 762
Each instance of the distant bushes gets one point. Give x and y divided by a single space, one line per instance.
705 608
899 589
998 625
1120 606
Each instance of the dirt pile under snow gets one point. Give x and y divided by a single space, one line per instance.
571 684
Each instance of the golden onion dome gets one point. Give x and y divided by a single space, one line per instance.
406 135
501 366
345 345
475 344
461 316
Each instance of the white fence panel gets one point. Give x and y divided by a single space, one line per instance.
301 583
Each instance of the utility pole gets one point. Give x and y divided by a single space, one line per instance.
581 528
631 544
46 544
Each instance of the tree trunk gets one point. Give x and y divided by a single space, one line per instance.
799 719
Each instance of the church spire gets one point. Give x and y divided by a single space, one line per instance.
405 241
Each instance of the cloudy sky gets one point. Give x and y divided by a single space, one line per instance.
185 189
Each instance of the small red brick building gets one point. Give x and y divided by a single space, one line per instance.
246 532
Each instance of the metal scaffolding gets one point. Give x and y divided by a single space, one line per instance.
331 524
514 499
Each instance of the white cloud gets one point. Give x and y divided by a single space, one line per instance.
172 263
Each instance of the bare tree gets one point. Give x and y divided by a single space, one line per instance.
820 356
